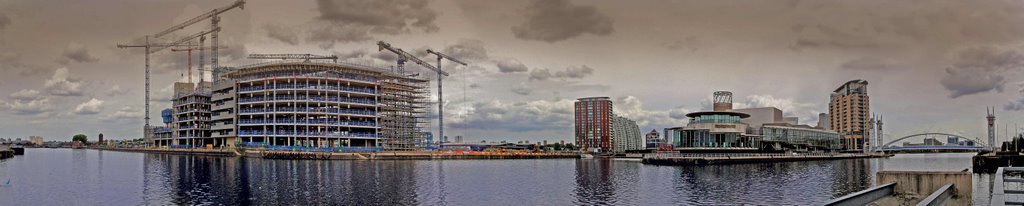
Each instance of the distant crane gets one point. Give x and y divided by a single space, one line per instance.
307 57
440 98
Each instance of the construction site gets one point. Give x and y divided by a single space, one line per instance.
291 102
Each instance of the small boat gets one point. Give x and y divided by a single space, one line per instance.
18 149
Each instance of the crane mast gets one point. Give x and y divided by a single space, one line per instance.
215 29
440 98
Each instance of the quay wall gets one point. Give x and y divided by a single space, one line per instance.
750 159
912 186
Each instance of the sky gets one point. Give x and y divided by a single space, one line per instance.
932 65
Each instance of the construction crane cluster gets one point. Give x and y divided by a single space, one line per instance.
405 56
185 42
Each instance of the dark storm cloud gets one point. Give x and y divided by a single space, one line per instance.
78 53
283 34
358 20
980 69
869 64
574 72
556 20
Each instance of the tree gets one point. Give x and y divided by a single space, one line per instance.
81 138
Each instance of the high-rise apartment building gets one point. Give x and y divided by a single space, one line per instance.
626 134
848 112
593 121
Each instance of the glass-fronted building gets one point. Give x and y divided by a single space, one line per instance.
801 137
713 130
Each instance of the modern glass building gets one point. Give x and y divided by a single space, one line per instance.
717 129
801 137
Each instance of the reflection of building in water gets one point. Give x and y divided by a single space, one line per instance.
594 183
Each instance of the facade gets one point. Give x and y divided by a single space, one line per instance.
823 121
849 108
759 116
626 135
715 130
801 137
593 124
302 104
653 139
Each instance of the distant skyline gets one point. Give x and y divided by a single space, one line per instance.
931 65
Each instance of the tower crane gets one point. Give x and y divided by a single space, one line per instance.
440 98
189 50
306 57
404 56
215 29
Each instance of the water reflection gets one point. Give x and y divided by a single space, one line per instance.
118 178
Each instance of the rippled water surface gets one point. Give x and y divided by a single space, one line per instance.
90 177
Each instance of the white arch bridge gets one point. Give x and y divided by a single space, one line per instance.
974 145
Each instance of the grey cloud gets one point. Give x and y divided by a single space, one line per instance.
631 107
93 106
869 63
283 34
575 72
27 95
556 20
62 84
116 90
511 66
690 43
540 115
4 21
78 53
351 55
467 50
357 20
979 70
124 113
522 91
1017 105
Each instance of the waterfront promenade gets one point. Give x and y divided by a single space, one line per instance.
409 155
742 158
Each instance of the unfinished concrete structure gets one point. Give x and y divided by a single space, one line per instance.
306 104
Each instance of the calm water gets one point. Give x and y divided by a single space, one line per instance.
90 177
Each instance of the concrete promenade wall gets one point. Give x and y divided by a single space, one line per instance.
919 184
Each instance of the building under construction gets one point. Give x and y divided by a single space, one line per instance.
302 103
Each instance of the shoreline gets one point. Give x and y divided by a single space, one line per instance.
698 161
411 155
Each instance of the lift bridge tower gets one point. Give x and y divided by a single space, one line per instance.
992 128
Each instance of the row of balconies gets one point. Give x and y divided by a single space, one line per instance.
307 110
292 133
306 87
314 98
332 122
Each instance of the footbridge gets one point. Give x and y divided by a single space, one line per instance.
935 142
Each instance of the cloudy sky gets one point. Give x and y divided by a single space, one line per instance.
931 65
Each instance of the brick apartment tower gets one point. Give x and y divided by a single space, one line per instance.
848 112
593 123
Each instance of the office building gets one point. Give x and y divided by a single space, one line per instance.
593 124
849 108
823 121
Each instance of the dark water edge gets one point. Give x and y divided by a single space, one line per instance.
91 177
